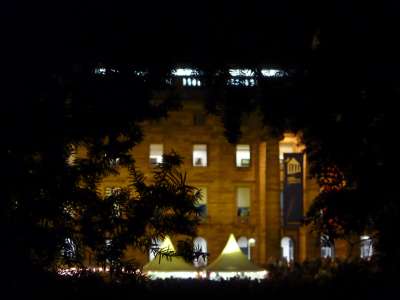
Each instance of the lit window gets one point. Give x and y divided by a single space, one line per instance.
156 153
243 201
191 81
100 71
69 248
287 249
273 73
242 155
241 77
107 248
154 248
202 203
243 245
110 190
140 73
241 72
239 81
188 76
200 155
185 72
200 250
366 247
327 249
114 162
116 209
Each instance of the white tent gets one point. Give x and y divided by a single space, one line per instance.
233 263
169 267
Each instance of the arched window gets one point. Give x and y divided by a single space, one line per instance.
200 247
69 249
244 245
287 248
366 247
108 249
154 248
327 248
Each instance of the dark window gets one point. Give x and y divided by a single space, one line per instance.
199 119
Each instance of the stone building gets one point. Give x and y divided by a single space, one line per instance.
242 184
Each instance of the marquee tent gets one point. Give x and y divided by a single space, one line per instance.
233 263
169 267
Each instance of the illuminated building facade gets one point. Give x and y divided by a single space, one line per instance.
246 187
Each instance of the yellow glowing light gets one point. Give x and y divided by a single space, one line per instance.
231 246
203 274
239 275
167 244
167 275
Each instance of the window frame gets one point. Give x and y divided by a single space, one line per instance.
193 155
200 261
243 167
366 247
325 248
150 154
247 215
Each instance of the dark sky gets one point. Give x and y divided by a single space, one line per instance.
192 31
185 30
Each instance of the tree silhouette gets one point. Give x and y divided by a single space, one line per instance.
140 214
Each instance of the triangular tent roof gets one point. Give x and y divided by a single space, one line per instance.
232 259
170 264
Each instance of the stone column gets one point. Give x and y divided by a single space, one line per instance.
261 227
272 197
308 242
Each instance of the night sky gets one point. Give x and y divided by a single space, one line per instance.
236 32
183 30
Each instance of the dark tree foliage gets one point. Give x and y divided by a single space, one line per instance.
139 215
336 100
351 83
46 118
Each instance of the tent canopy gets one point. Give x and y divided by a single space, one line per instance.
168 264
232 259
